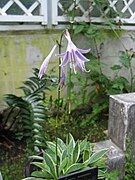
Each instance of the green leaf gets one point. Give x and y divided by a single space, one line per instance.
62 165
116 67
101 174
51 165
37 142
70 140
37 157
38 174
96 157
52 146
75 167
83 145
125 59
76 152
44 174
61 144
36 148
64 154
40 165
78 29
26 90
86 155
101 163
89 147
36 125
32 178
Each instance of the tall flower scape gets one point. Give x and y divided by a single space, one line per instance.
60 158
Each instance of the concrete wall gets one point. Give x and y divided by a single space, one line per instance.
19 53
110 50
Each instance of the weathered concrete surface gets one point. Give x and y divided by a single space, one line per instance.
20 51
1 176
115 156
121 126
122 120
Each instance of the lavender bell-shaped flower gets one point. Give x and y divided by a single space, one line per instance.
62 79
73 56
45 63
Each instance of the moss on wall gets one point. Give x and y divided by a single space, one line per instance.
19 53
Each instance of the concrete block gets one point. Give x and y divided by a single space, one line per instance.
115 156
122 120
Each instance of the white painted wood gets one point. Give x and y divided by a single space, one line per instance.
26 11
51 12
44 11
28 16
54 4
6 7
24 18
112 3
21 27
36 3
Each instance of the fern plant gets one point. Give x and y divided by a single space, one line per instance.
32 110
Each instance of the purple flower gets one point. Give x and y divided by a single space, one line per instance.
45 63
73 55
62 79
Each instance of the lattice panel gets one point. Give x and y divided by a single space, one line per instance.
90 9
23 11
20 7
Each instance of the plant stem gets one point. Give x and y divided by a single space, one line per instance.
70 74
58 97
131 71
98 57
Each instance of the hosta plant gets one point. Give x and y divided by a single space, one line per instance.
71 156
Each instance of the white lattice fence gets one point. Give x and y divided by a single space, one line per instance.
88 10
23 11
57 11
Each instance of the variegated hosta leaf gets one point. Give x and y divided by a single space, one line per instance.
61 144
86 155
96 156
52 146
74 167
51 165
76 153
62 166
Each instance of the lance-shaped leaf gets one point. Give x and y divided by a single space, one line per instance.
51 165
96 156
74 167
76 152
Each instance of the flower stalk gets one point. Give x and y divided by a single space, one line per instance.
58 97
73 58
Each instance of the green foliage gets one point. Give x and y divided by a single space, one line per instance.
130 163
112 175
125 59
11 167
71 156
101 84
32 110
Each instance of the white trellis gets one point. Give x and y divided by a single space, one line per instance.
89 12
26 13
54 12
